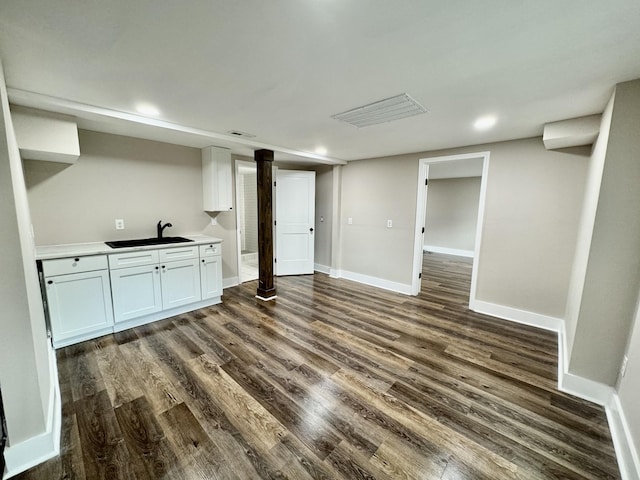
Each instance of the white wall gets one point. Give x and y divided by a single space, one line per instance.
140 181
533 203
629 385
25 368
452 213
612 276
374 191
587 220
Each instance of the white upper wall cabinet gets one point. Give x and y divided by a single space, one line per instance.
216 179
45 136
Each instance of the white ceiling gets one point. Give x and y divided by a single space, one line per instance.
279 69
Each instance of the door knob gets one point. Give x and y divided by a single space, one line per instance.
311 229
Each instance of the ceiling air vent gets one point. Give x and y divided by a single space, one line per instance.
388 110
237 133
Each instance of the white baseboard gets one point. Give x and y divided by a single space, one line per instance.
334 273
266 299
586 389
573 384
321 268
373 281
448 251
164 314
230 282
35 450
596 392
626 452
515 315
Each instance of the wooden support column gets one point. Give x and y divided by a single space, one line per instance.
266 287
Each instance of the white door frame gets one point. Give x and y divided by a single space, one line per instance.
423 172
274 216
253 165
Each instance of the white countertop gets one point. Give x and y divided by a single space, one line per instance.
47 252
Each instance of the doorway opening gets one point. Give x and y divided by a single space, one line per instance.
247 220
439 168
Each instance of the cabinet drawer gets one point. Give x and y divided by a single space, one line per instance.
64 266
133 259
180 253
210 250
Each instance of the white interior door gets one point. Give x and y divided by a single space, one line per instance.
295 221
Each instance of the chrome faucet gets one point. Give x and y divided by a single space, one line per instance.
160 228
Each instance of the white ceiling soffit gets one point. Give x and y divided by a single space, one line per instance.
106 120
574 132
383 111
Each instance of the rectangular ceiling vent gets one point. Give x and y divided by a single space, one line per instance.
237 133
388 110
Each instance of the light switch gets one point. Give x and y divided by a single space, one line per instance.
389 223
350 221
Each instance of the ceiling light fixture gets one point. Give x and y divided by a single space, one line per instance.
147 109
387 110
484 123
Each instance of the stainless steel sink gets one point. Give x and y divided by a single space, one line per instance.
144 242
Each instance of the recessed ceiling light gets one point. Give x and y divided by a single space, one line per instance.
321 151
484 123
147 109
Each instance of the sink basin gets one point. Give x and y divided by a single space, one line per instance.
144 242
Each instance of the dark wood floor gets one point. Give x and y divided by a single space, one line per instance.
332 380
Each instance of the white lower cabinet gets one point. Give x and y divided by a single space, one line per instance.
79 301
95 295
136 292
211 277
180 283
161 280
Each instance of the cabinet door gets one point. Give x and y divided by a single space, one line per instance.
211 277
217 181
79 304
180 283
136 292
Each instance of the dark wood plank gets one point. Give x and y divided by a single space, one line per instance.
199 456
151 456
105 454
321 439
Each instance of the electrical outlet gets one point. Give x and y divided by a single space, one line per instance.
623 367
389 223
119 224
350 221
